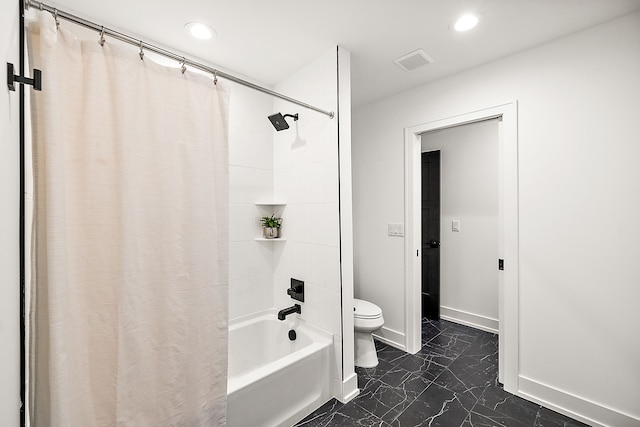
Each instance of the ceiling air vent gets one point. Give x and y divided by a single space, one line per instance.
413 60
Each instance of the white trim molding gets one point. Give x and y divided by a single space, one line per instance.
389 336
574 406
477 321
508 232
349 389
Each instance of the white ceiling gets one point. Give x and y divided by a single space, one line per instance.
268 40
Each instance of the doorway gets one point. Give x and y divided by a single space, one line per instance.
430 288
507 233
463 233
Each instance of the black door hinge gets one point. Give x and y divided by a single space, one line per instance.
500 264
12 78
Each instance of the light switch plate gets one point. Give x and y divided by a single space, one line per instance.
396 230
455 225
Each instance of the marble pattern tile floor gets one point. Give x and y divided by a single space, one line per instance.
451 381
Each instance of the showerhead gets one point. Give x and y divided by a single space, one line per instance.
278 120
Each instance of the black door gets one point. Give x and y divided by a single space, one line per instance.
431 234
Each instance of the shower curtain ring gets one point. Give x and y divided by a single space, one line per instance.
141 51
55 17
41 7
215 77
101 41
183 67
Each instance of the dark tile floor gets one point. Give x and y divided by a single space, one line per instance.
451 381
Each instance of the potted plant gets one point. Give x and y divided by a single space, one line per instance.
270 226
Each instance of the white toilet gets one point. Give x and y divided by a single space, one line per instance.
367 318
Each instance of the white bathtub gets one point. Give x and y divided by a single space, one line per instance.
274 381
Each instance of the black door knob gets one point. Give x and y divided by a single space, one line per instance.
434 244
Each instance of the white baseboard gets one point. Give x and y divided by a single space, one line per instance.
389 336
573 406
469 319
349 389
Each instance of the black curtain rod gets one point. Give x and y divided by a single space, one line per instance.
160 51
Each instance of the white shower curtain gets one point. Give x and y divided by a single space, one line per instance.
128 316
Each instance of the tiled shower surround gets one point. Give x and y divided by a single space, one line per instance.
451 381
250 180
294 174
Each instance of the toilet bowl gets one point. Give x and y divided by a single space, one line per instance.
367 318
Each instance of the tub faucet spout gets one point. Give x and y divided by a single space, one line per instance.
282 314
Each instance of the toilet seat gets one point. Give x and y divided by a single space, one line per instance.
367 317
365 310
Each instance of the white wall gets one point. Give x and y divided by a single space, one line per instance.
578 184
349 378
469 194
9 223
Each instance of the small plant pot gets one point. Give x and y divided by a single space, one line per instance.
270 232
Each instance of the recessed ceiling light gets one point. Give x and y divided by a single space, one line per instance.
465 23
199 31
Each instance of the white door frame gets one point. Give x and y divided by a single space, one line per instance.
507 232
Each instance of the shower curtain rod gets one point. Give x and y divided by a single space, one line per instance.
57 13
